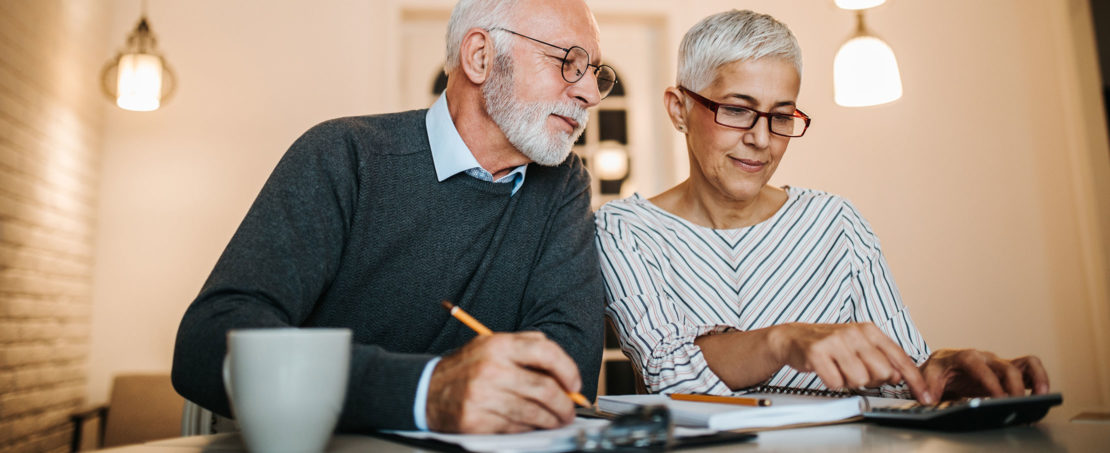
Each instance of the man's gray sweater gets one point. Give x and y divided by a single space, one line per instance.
353 230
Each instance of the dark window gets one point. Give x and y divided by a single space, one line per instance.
614 126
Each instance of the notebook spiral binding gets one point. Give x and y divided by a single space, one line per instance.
811 392
799 391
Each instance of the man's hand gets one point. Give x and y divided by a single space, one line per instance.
952 373
847 356
503 383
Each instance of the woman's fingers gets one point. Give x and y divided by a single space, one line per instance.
828 371
852 356
858 355
969 372
1033 373
1009 377
906 370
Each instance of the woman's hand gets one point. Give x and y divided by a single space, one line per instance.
952 373
847 356
843 356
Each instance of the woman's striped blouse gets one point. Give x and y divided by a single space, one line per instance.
669 281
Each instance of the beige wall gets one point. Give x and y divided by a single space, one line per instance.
984 182
176 182
50 143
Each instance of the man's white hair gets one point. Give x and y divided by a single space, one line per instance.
467 14
731 36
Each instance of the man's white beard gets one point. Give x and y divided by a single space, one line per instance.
524 124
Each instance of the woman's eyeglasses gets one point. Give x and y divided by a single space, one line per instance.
740 117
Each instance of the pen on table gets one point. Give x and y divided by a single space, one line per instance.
476 326
741 400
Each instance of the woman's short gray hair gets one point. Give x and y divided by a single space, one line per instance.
467 14
732 36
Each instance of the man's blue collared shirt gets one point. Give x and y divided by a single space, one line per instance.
451 156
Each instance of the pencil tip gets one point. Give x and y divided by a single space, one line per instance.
580 399
447 305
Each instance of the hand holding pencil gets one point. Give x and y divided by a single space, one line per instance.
502 382
481 329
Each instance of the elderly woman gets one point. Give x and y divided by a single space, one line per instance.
725 282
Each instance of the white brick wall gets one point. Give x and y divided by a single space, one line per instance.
50 134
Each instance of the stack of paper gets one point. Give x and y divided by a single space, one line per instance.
784 410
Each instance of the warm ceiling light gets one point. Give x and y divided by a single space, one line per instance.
865 71
859 4
138 78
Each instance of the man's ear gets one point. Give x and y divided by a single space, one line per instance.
676 108
476 54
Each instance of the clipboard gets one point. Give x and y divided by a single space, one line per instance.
648 427
677 438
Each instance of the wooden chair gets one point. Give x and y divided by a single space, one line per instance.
142 407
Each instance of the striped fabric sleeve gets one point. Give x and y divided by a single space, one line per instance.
877 300
655 333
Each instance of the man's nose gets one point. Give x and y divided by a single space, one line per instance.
585 90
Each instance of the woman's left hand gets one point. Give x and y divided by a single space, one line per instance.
953 373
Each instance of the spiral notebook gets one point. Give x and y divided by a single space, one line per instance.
962 414
788 408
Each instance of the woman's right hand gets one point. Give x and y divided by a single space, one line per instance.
846 356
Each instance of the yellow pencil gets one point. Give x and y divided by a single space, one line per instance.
472 323
741 400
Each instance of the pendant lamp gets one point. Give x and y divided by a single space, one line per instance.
865 71
138 78
858 4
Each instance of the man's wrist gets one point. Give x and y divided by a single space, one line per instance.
420 403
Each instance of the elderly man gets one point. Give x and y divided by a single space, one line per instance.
369 222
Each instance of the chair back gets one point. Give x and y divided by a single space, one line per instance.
142 407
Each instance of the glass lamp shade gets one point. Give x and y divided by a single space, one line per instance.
139 82
865 73
858 4
138 78
611 163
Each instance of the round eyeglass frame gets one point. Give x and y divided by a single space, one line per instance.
572 74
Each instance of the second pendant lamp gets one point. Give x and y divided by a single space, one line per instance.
865 71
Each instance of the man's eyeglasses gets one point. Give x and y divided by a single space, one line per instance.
740 117
576 61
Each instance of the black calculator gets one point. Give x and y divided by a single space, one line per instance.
967 414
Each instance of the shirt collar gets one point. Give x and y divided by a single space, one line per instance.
450 154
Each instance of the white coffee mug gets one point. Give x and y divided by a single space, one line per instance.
287 385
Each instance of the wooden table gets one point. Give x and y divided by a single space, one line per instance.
1070 437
